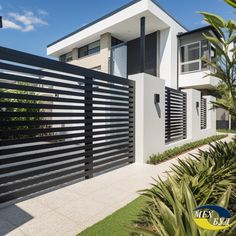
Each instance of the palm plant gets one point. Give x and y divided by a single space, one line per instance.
224 67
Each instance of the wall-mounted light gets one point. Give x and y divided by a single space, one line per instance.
197 104
156 98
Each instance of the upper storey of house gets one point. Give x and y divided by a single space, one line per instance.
111 44
193 46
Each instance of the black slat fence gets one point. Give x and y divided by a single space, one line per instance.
175 115
203 113
59 123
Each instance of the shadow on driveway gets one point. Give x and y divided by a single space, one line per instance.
12 217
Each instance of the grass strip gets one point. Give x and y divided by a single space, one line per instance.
117 223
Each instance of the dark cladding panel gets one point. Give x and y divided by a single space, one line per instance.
133 66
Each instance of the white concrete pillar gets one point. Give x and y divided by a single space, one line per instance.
211 114
193 113
149 117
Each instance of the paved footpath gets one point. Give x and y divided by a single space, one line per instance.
69 210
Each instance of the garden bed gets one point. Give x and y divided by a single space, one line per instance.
173 152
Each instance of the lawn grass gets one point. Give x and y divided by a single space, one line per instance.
116 224
173 152
227 131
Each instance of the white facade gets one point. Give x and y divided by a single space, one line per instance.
150 117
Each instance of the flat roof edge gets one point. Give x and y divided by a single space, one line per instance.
110 14
170 15
95 21
208 27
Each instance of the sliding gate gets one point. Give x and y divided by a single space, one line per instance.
59 123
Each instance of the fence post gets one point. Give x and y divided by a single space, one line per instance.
184 116
167 106
149 116
88 116
132 122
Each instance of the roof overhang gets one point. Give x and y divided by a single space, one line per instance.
124 24
201 30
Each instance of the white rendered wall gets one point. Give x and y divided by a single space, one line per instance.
197 80
150 118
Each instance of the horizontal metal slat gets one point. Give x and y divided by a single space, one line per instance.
57 107
62 129
61 99
32 60
65 77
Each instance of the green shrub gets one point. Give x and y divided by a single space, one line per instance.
155 159
207 178
227 131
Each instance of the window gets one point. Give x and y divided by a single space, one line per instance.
89 49
191 54
204 52
115 41
66 57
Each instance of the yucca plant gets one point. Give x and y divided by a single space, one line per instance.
202 179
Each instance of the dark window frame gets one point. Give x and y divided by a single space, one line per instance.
89 51
201 65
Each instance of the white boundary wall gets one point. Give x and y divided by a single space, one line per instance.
150 117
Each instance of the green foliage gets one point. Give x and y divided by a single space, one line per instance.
116 224
155 159
226 130
207 178
232 3
224 66
22 109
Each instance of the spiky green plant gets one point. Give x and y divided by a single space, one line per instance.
202 179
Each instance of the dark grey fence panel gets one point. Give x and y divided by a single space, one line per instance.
224 124
59 123
175 115
203 113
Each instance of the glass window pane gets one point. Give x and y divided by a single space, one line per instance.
83 51
193 52
182 54
94 45
93 50
190 67
62 58
190 52
204 52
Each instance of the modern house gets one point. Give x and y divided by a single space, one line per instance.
142 40
142 92
111 44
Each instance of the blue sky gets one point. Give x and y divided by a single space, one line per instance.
30 25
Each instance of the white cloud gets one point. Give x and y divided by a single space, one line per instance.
42 12
10 25
25 22
28 28
28 18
